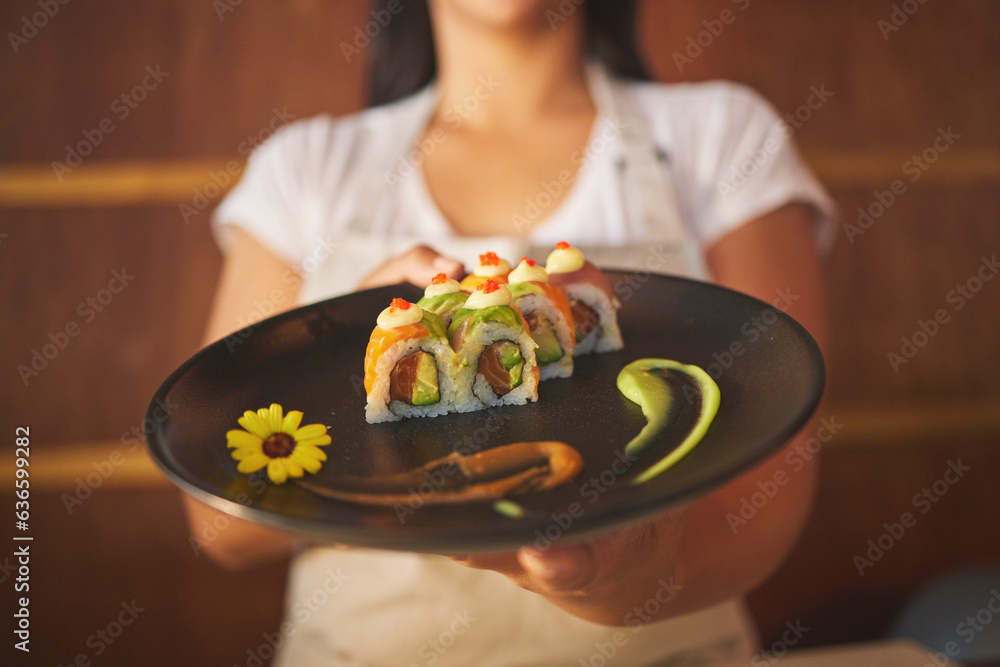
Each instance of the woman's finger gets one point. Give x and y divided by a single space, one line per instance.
418 266
560 569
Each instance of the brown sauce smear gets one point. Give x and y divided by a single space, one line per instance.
508 470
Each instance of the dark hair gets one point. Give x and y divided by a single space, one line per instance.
403 60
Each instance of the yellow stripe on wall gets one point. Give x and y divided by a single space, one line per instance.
105 464
160 182
115 183
880 168
63 467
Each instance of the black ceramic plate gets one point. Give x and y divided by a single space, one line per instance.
769 371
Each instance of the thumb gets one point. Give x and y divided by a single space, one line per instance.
560 569
448 266
423 263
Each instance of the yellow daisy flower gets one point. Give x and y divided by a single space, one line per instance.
278 443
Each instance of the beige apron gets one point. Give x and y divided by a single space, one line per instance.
378 608
655 236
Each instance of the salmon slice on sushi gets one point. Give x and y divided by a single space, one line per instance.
410 369
591 300
495 351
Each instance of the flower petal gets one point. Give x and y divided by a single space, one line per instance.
311 451
238 438
274 418
291 422
241 453
310 463
306 461
253 463
247 446
315 442
254 423
276 471
310 431
292 468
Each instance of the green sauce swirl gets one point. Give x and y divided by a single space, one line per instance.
643 382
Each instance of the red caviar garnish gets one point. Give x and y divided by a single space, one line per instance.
401 304
439 279
489 287
562 245
529 262
489 259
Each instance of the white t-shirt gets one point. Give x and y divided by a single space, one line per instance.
336 197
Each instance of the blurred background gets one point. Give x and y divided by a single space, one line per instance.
108 269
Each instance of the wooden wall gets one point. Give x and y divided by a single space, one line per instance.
224 79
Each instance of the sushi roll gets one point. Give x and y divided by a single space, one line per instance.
443 297
409 366
547 311
495 351
490 267
591 300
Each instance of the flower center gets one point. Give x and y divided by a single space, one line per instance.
279 445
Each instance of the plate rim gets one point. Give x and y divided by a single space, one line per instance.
610 520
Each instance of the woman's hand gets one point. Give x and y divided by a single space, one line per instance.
605 580
418 266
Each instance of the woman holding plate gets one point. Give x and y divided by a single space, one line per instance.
512 125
